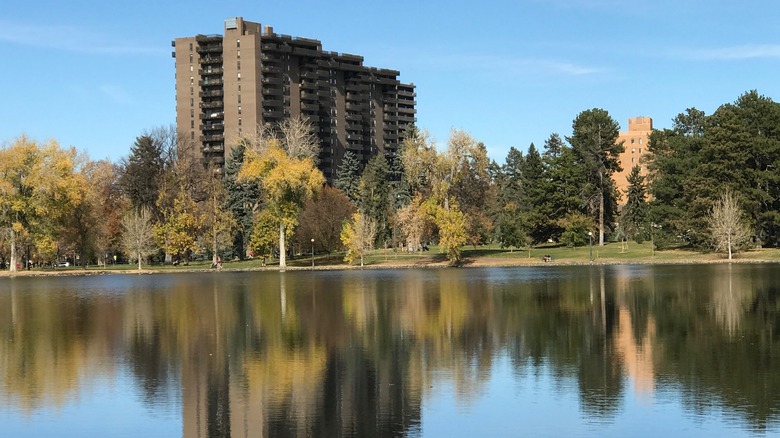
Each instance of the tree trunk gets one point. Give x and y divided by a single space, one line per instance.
729 243
601 219
139 261
282 249
13 250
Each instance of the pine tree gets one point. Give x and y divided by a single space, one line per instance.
243 200
634 217
348 176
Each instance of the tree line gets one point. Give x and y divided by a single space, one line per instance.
711 182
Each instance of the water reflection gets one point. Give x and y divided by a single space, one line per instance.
367 353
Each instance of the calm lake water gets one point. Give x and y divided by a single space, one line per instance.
537 351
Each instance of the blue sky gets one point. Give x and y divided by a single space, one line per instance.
95 75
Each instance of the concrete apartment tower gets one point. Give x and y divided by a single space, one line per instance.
228 85
635 144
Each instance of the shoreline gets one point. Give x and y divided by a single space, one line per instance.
468 263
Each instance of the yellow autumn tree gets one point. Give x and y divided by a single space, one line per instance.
358 236
38 187
177 233
286 182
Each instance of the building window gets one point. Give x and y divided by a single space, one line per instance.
238 65
238 43
640 141
191 67
192 102
239 76
238 54
239 121
190 47
192 135
192 91
239 110
192 112
633 150
192 124
192 80
632 141
239 98
632 159
239 88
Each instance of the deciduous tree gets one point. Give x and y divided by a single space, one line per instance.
137 238
287 181
729 229
358 236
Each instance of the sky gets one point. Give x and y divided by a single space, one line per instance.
95 75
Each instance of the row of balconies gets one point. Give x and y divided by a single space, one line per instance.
212 115
212 127
212 93
212 138
206 60
217 48
211 81
212 105
213 149
210 71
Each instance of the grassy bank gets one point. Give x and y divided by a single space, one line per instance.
482 256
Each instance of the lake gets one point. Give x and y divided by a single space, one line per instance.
628 350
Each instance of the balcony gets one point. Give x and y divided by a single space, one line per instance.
212 115
272 114
355 127
311 107
405 119
212 138
210 81
310 75
211 71
217 148
212 105
206 60
352 106
274 80
212 93
406 93
276 103
213 127
271 69
210 49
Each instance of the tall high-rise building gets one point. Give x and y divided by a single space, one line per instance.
228 85
635 144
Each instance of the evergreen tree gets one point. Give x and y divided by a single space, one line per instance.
375 191
564 183
142 172
535 194
243 200
634 215
348 176
594 142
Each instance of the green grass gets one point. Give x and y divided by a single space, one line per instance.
612 252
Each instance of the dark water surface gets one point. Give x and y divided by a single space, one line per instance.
547 351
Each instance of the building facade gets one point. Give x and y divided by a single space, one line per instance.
228 85
635 144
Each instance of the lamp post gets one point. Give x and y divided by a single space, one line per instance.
312 254
590 245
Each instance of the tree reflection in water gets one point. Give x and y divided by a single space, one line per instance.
360 353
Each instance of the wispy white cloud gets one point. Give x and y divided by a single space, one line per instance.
734 53
70 39
511 66
116 94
